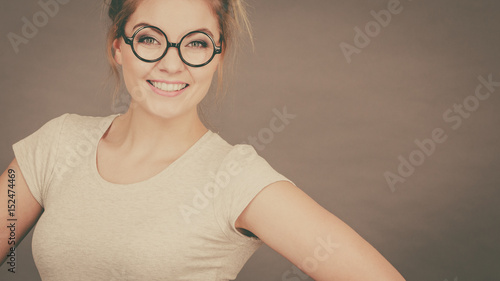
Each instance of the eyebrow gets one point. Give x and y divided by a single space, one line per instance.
206 30
140 25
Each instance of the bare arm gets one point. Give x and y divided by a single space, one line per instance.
313 239
27 209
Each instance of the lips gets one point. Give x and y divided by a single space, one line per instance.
168 87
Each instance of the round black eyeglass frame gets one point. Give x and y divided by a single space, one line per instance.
130 41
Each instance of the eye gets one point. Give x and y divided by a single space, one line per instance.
148 40
198 44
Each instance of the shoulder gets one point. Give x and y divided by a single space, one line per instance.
248 170
238 154
49 130
84 121
76 124
243 154
56 122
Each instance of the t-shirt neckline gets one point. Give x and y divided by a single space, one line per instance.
167 171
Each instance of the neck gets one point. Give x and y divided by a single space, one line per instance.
143 134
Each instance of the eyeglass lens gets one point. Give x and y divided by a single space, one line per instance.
196 48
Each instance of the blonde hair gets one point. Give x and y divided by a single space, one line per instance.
233 22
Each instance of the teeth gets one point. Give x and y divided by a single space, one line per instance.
168 87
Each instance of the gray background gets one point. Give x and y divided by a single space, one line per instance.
353 119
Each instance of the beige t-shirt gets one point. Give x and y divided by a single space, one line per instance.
177 225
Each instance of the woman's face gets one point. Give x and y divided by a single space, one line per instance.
146 81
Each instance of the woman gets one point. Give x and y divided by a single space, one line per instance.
153 194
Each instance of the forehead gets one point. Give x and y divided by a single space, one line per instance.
175 17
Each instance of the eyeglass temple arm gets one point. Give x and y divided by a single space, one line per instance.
128 40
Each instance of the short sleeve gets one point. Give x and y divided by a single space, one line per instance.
248 174
36 155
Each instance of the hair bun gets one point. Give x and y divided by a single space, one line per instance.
115 6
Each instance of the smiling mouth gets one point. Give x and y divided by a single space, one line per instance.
168 87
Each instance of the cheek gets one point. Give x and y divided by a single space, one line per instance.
203 80
132 67
205 74
134 72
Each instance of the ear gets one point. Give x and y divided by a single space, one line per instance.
118 51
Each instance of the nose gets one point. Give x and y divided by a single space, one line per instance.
171 62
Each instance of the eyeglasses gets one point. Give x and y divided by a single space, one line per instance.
150 44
